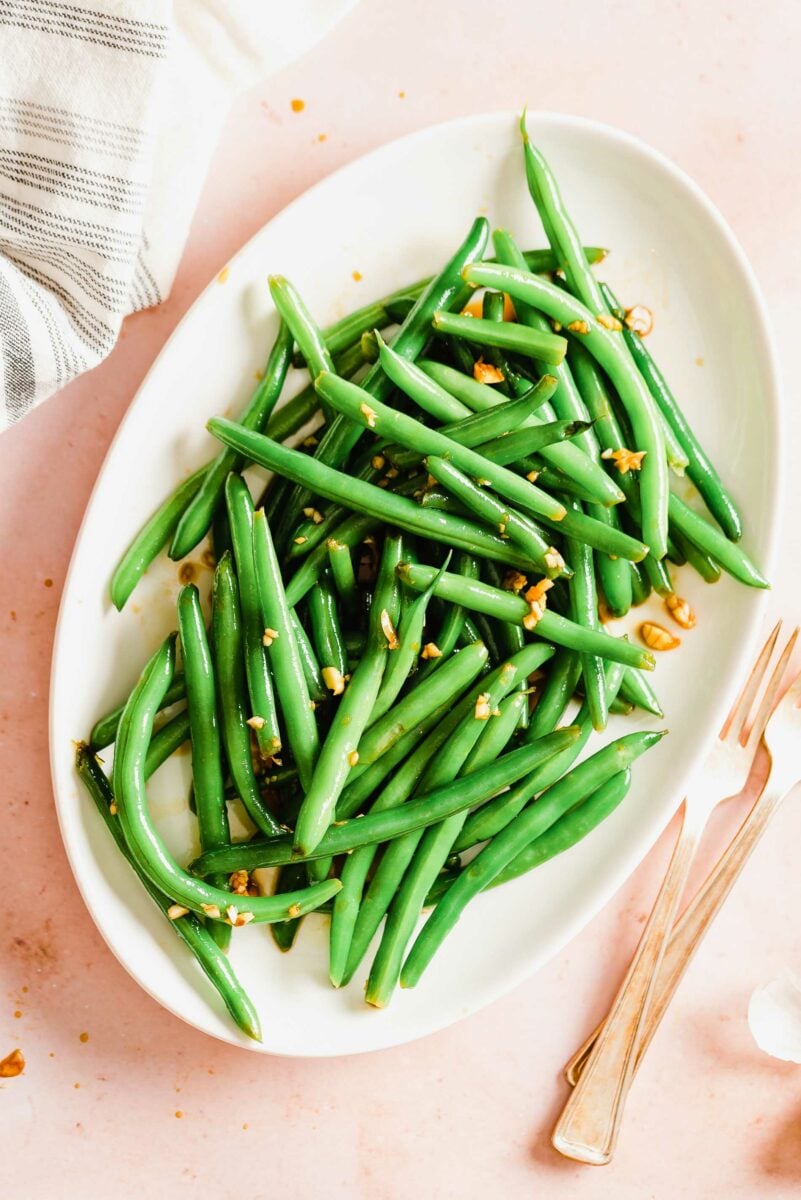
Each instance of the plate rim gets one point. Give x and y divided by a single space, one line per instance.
772 393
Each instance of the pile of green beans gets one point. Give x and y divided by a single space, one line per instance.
380 682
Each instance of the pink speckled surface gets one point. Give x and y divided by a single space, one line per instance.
467 1112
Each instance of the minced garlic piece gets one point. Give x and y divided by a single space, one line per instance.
388 630
269 636
314 515
656 637
579 327
353 758
625 460
609 322
369 414
175 911
681 611
333 680
486 372
514 581
431 650
640 319
211 910
256 722
482 712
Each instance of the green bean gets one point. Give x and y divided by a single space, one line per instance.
341 744
699 467
143 840
637 690
447 636
439 770
573 826
327 637
481 597
708 538
283 654
309 665
207 774
509 523
386 826
611 353
545 347
210 958
343 575
359 790
220 534
458 673
350 532
264 712
350 400
309 533
584 610
426 392
166 741
301 324
444 290
512 639
658 575
105 730
701 562
494 423
508 849
511 448
351 926
498 732
555 695
640 587
283 933
151 538
423 855
402 660
229 663
362 497
559 228
564 456
197 517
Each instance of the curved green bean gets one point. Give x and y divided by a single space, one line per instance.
326 630
144 842
212 961
545 347
105 730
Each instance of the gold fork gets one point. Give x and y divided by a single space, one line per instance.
781 737
588 1128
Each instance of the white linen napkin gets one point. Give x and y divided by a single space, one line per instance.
109 112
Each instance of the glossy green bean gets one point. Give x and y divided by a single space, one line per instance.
283 654
423 855
301 324
166 741
212 961
564 456
708 538
699 466
640 587
151 538
208 785
226 625
351 531
698 559
638 691
507 850
199 514
340 748
458 673
611 353
506 606
508 522
105 730
375 503
555 696
512 447
436 805
264 710
404 658
447 637
144 842
309 664
545 347
396 426
343 575
658 575
288 879
326 631
584 611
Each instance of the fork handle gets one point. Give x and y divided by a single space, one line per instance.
588 1127
695 921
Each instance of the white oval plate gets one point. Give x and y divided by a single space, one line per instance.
394 216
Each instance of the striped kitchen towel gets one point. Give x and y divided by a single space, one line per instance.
109 112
